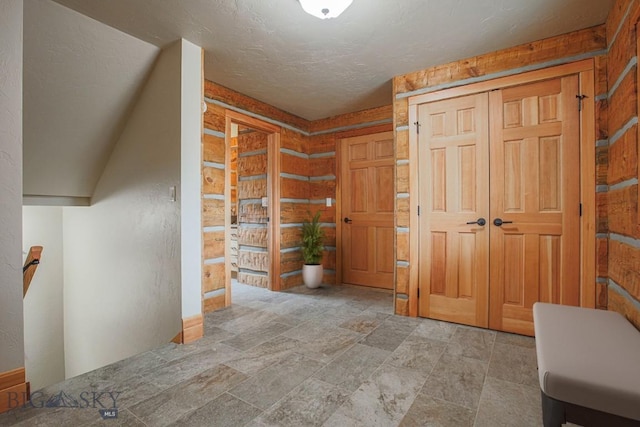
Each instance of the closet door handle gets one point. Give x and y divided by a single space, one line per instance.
498 222
480 221
348 221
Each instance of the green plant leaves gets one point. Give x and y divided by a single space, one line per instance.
312 240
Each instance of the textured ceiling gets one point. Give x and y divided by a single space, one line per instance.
273 51
82 75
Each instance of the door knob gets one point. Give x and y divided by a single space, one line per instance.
498 222
347 220
480 221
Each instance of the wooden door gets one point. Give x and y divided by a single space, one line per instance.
367 202
535 186
454 192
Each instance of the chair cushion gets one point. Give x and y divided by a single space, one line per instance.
588 357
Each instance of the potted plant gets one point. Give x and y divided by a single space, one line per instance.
312 247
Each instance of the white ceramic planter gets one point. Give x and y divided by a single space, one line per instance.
312 275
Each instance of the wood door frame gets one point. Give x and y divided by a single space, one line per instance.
273 195
585 71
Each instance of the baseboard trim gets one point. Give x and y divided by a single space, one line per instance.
14 390
178 338
192 328
214 303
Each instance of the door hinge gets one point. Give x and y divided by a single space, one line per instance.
418 210
418 292
417 127
580 209
580 98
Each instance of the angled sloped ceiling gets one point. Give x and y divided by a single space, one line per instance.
81 78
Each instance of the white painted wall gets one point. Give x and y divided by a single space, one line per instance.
43 308
11 323
191 180
71 124
122 255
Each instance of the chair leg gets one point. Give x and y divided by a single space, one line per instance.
553 413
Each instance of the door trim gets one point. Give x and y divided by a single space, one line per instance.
503 82
273 195
585 71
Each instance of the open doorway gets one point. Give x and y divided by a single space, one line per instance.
253 203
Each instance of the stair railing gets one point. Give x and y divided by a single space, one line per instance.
30 266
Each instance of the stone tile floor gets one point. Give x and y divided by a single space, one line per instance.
335 356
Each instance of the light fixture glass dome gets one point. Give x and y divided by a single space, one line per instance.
324 9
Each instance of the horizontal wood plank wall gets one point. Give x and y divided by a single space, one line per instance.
253 259
213 208
619 233
294 185
366 117
568 45
590 42
247 104
307 179
294 204
322 186
13 389
602 162
323 174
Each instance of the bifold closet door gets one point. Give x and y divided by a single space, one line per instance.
453 154
535 192
499 178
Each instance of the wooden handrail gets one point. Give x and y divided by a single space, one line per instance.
30 266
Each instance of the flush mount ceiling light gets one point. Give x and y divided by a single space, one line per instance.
324 9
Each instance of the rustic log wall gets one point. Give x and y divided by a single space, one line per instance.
602 162
619 233
322 186
590 42
213 208
308 166
253 258
250 187
323 168
307 179
294 203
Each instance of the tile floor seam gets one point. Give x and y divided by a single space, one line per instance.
275 404
434 367
391 353
260 343
244 401
484 382
134 416
144 400
281 398
419 391
460 404
330 360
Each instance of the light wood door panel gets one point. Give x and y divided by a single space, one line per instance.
535 183
454 191
368 200
528 176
